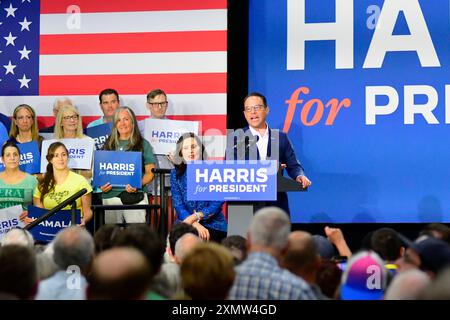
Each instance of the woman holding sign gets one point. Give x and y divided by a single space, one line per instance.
59 183
68 126
125 136
24 127
16 186
205 216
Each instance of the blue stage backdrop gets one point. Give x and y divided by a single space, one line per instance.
363 90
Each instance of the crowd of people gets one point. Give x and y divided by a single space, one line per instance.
127 259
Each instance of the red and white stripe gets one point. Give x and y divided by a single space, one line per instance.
135 46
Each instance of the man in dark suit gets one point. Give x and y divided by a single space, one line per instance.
260 142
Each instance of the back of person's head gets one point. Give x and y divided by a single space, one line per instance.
407 285
237 245
105 236
438 231
19 237
18 271
325 248
207 272
439 289
73 246
270 227
301 256
178 230
387 244
328 278
121 273
145 240
184 245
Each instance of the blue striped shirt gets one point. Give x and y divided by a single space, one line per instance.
260 277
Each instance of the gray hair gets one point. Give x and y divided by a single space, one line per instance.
184 245
407 285
270 227
62 100
73 246
19 237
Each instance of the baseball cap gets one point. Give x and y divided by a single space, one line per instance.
434 253
364 278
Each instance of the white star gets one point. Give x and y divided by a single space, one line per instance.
24 82
24 53
25 24
29 1
9 68
10 11
10 39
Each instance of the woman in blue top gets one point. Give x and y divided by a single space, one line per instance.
205 216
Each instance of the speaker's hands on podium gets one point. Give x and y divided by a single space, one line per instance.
304 181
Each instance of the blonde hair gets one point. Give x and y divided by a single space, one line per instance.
59 131
14 131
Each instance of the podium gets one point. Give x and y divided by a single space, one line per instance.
240 214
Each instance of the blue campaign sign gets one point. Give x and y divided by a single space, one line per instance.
47 230
3 134
118 168
363 91
100 134
30 157
232 180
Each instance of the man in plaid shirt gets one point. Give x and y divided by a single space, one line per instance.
260 277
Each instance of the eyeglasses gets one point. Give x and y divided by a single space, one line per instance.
22 118
254 108
158 104
74 117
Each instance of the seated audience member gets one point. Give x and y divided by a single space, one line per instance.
59 183
119 274
438 231
260 277
328 278
365 277
302 259
105 237
73 253
59 102
148 242
20 237
24 126
184 245
429 254
217 275
18 272
125 136
68 126
109 102
167 283
408 285
439 289
15 181
6 121
237 245
206 216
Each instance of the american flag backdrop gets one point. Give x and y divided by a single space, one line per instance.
76 48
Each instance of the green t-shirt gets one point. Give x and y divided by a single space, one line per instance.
17 194
148 158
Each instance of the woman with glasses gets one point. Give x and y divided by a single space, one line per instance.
205 216
16 186
60 183
125 136
68 125
24 126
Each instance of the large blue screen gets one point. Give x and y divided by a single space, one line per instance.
360 87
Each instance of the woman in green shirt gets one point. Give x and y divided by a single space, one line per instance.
125 136
16 186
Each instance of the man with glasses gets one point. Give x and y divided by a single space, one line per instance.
157 104
109 102
261 140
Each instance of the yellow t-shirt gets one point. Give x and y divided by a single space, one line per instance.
73 183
